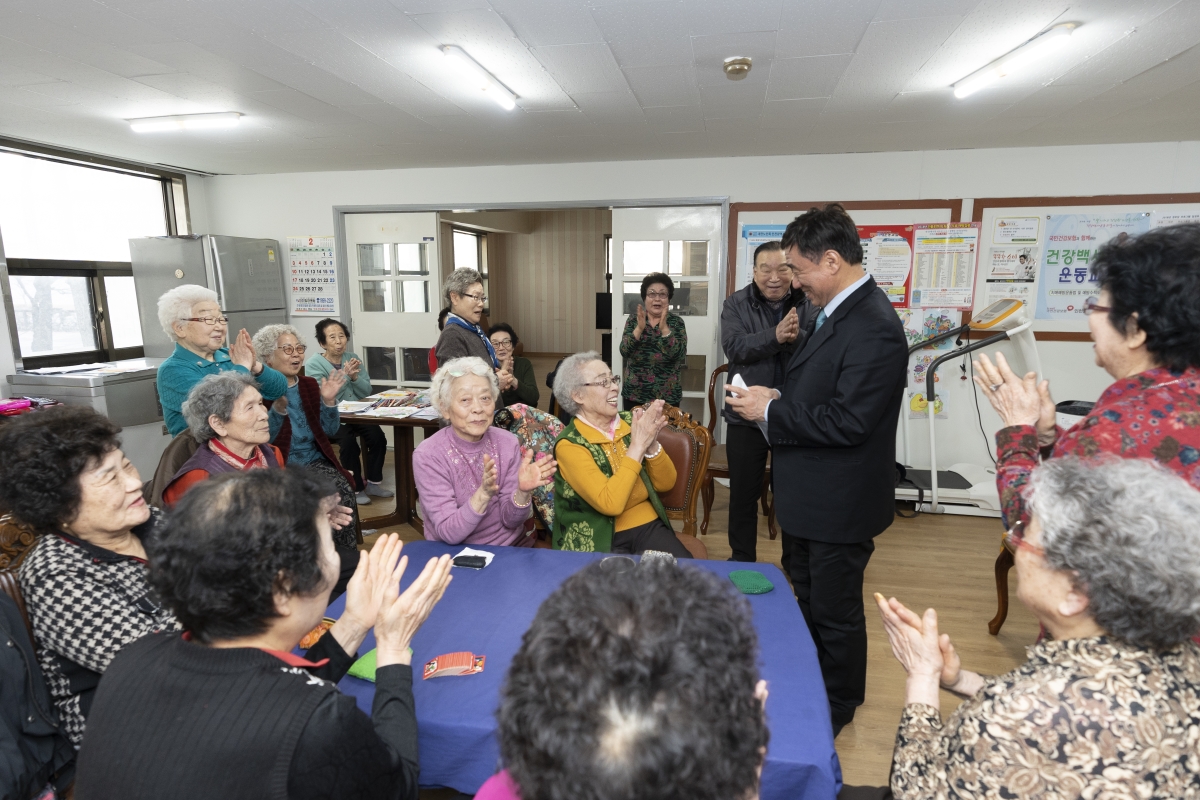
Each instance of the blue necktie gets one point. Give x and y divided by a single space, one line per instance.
820 320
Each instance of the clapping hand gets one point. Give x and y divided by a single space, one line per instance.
505 377
351 368
647 422
331 385
401 615
1018 400
339 516
788 328
241 351
641 321
488 487
535 472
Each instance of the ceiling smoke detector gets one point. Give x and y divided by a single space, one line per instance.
737 67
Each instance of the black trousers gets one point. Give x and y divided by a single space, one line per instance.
747 449
828 580
349 453
651 536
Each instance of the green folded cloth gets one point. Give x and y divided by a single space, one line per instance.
749 582
364 668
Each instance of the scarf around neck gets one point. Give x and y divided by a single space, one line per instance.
454 319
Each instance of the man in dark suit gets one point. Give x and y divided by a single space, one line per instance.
833 434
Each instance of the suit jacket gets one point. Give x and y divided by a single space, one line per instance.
834 429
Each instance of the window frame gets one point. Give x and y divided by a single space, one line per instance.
480 259
176 213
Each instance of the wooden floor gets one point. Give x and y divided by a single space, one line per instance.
944 562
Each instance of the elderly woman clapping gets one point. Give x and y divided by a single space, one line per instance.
1110 565
612 466
475 483
190 316
1145 327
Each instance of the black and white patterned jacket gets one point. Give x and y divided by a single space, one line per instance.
85 604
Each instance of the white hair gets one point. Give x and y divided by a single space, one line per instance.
568 379
455 368
459 281
177 304
267 339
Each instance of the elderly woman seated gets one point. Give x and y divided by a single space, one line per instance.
246 562
191 317
611 466
634 685
306 415
475 483
1106 705
84 582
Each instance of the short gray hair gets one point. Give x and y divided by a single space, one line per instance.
177 304
443 380
1129 531
267 339
568 379
214 396
459 281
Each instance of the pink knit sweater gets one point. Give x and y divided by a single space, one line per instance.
448 469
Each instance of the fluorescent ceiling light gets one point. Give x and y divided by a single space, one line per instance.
186 122
1033 50
479 78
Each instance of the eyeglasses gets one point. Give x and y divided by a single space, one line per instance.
502 343
604 383
1091 304
659 295
1015 538
782 272
290 349
478 298
209 320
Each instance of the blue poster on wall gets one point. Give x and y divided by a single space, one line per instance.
752 237
1071 241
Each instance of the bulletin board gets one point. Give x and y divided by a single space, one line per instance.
1039 250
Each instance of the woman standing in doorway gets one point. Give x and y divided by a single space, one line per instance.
654 347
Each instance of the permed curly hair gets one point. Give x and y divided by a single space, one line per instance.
44 455
1157 276
635 686
231 542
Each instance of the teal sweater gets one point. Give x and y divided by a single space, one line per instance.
183 369
318 368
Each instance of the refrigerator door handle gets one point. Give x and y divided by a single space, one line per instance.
218 272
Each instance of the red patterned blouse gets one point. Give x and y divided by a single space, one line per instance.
1154 415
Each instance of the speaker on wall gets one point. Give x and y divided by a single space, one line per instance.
603 311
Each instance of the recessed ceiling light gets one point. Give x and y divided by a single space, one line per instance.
479 78
1033 50
186 122
737 67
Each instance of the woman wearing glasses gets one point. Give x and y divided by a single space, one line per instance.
1107 706
611 467
462 335
654 346
1145 328
191 317
517 382
306 415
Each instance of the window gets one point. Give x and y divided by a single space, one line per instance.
65 228
687 264
470 252
386 274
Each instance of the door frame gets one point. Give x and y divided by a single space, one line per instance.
341 253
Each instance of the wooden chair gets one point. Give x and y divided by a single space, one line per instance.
718 465
1004 563
688 445
16 540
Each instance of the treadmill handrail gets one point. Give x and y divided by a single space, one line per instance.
931 370
939 338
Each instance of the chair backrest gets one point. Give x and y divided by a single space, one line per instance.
689 444
181 448
712 397
536 430
16 540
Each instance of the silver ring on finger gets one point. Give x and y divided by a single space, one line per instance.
996 387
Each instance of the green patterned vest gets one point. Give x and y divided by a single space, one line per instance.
578 526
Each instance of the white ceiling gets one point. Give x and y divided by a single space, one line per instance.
361 84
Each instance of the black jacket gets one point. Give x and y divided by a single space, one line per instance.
834 430
748 338
33 748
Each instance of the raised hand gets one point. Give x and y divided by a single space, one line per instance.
535 472
401 615
1019 400
663 327
280 404
340 516
646 425
371 580
351 368
506 379
331 385
488 488
641 321
241 351
788 328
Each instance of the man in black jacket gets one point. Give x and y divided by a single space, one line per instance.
833 437
762 326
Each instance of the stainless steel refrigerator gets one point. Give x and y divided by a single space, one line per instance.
246 274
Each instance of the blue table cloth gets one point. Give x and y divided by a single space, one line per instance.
487 611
